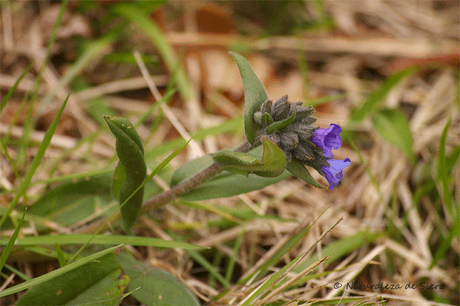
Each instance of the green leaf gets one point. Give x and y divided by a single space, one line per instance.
131 154
61 256
119 176
272 164
393 126
57 273
254 96
99 282
35 163
279 125
374 99
299 170
154 286
73 201
101 240
223 185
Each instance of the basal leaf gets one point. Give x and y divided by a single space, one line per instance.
97 283
254 96
154 286
43 279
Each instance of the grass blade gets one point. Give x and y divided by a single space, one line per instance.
442 169
9 246
35 163
103 240
10 92
374 99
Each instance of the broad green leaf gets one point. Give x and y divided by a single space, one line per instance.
57 273
99 282
300 171
35 163
74 200
254 96
375 98
393 126
272 164
131 154
223 185
154 286
101 240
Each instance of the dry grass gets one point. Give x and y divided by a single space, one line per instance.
370 41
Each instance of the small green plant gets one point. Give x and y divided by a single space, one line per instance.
284 130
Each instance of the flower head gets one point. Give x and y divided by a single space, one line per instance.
289 126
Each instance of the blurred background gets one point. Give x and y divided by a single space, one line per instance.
387 71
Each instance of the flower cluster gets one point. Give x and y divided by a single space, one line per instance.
289 126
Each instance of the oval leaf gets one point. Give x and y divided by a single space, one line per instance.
254 96
131 154
393 126
154 286
223 185
273 161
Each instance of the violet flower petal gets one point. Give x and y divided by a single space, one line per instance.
334 173
328 139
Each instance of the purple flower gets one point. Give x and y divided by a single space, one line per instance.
334 173
328 139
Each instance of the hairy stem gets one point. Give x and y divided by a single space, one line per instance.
189 184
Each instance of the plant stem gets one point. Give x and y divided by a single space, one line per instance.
189 184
